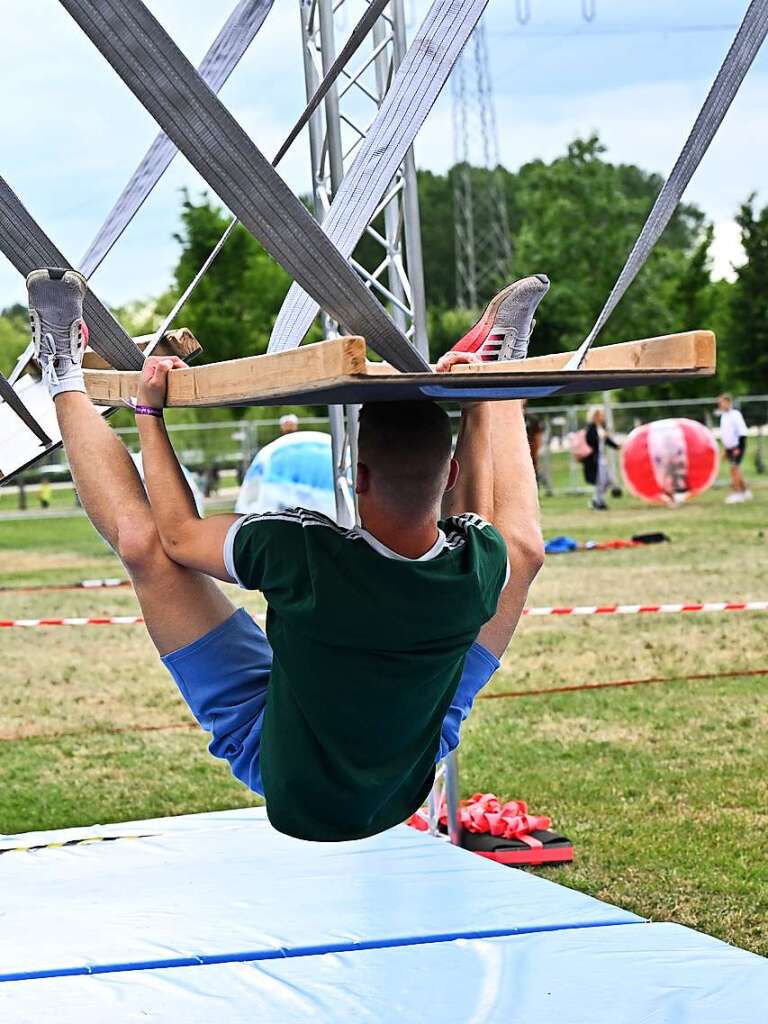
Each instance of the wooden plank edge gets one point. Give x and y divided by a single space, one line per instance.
687 350
238 380
180 342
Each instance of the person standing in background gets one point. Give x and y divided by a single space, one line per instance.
595 465
733 434
289 423
44 494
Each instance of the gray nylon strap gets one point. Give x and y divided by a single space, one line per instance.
742 52
361 30
417 84
28 247
13 400
161 77
221 59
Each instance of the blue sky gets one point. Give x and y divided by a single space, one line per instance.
72 133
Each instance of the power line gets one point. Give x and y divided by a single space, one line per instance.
618 30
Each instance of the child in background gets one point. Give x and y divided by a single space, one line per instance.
733 434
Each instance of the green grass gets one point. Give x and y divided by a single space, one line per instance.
662 788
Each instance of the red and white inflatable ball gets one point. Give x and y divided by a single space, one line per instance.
669 461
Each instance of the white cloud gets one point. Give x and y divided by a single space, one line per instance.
726 251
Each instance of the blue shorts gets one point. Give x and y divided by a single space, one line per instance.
224 676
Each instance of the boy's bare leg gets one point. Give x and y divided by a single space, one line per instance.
497 481
178 605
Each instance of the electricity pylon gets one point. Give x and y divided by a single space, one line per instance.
483 247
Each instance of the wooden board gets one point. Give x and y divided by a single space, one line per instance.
243 381
181 343
337 372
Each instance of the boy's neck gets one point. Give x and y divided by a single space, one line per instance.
411 540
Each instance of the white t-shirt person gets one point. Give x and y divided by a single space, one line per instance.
732 428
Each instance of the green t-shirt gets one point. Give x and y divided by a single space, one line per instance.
369 649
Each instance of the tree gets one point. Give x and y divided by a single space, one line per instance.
748 334
575 219
14 336
234 307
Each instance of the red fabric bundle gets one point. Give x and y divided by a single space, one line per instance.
484 813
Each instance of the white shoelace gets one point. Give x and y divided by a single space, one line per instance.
47 352
46 356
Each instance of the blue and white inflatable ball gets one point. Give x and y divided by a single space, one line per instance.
295 471
197 494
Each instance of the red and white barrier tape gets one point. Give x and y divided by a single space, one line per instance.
609 609
643 609
112 620
111 584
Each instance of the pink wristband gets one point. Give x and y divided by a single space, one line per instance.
148 410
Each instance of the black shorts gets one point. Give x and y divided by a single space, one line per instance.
735 455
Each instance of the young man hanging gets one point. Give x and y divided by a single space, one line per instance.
377 638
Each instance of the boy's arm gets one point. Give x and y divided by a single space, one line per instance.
498 482
187 539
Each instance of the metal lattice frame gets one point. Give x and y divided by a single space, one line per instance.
336 130
336 133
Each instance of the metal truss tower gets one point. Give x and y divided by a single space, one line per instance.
483 247
336 131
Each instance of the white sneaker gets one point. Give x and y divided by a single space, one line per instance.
747 495
735 498
59 333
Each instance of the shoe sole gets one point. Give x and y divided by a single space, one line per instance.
56 274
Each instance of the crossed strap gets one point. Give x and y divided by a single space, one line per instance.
417 84
223 56
165 82
28 247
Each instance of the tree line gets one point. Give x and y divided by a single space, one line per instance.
574 218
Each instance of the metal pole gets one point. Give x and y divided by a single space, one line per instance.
452 797
610 453
322 197
479 206
398 277
332 112
392 209
411 210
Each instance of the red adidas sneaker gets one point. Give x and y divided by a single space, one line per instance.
504 329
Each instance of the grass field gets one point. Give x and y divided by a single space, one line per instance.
663 788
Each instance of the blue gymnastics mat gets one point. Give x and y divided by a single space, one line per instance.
229 886
637 974
217 917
